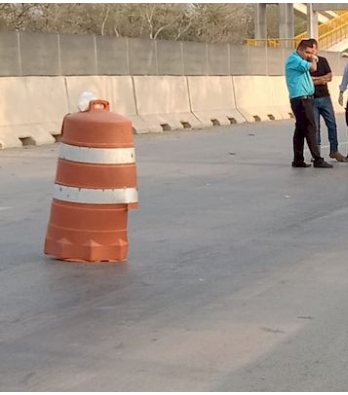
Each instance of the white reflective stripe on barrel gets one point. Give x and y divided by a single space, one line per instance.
115 156
95 196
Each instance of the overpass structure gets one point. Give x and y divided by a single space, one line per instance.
327 22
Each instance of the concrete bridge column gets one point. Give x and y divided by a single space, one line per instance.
312 21
260 22
286 24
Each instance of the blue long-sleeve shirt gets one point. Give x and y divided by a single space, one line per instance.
344 82
298 78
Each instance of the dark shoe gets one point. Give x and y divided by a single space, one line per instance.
321 164
338 156
301 164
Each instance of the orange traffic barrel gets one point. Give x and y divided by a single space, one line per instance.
95 186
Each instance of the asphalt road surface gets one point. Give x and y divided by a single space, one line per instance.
237 277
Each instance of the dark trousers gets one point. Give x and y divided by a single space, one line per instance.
305 128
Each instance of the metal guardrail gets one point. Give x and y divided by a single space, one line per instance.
333 37
330 33
273 42
329 26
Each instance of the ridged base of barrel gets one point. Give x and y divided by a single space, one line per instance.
65 250
87 232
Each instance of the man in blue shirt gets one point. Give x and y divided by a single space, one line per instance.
301 91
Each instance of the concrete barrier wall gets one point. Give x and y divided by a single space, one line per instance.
33 107
254 98
212 100
96 84
119 91
31 54
159 85
280 96
163 103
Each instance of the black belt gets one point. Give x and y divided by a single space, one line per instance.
302 98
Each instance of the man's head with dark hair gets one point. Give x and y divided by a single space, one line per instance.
306 49
315 45
307 43
313 41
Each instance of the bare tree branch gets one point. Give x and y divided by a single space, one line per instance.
105 19
209 22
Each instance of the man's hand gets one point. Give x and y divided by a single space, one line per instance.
323 80
340 99
314 60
